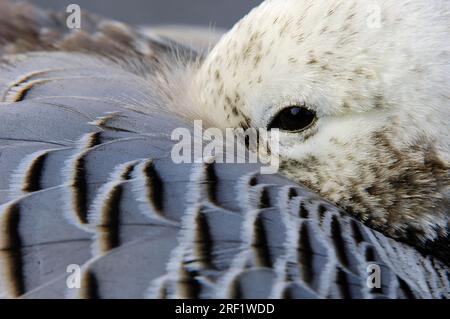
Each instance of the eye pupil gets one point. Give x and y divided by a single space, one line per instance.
293 119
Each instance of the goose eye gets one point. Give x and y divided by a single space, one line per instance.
293 119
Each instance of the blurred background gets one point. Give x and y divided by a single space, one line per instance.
216 13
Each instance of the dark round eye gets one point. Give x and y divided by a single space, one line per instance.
293 119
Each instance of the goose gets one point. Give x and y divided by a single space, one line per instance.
92 204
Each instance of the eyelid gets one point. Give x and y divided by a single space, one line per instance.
306 129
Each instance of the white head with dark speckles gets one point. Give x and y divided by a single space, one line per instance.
361 92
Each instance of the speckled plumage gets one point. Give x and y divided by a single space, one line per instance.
380 147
